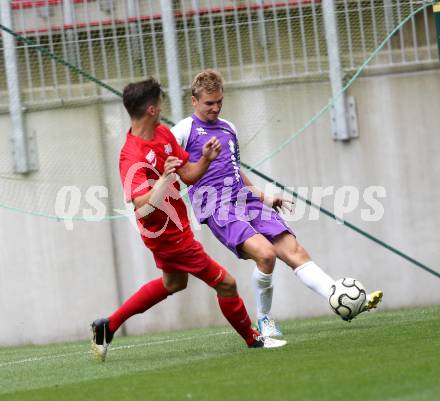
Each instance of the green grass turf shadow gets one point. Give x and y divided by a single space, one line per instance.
379 356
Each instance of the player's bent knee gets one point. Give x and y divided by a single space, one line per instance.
176 286
267 257
228 287
302 254
296 257
229 284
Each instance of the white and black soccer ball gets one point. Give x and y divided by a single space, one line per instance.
347 298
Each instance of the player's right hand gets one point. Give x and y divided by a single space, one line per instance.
212 148
172 163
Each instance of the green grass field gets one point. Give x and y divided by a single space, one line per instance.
379 356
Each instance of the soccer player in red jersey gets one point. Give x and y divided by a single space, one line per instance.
149 162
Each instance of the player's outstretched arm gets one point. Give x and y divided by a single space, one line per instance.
277 202
190 173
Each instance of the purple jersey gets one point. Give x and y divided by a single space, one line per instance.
222 184
220 199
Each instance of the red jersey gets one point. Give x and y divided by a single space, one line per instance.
141 164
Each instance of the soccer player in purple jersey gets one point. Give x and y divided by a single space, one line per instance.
242 217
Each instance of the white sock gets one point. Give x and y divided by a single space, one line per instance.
315 278
263 290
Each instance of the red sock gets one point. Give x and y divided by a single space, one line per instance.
147 296
235 312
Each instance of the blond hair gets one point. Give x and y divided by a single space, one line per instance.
209 80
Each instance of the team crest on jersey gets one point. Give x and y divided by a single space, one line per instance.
151 158
168 148
201 131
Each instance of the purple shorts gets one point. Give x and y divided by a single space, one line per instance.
234 226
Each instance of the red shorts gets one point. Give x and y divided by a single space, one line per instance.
193 260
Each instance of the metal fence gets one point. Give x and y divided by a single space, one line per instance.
249 41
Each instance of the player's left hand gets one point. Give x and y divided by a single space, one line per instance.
279 203
211 149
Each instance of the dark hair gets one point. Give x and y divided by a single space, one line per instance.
138 96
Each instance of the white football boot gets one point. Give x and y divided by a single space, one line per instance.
267 342
268 327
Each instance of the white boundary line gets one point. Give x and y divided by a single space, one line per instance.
121 347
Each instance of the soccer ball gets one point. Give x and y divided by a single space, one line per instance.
347 298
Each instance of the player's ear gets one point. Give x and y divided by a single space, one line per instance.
193 101
150 110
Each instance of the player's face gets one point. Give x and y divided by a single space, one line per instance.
208 106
